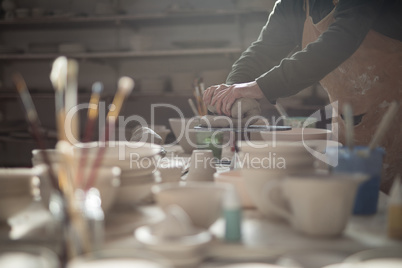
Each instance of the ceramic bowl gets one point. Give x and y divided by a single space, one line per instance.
136 157
107 182
16 190
136 190
202 201
183 131
37 158
280 156
235 178
120 257
297 134
186 251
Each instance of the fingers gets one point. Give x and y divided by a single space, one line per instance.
219 100
208 94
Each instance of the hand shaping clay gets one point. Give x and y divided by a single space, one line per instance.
243 111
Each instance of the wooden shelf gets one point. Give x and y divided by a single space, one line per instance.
117 19
123 54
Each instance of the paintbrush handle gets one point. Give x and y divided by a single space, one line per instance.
110 125
349 129
384 125
193 108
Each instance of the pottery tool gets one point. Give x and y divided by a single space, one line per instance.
93 110
71 98
34 122
349 130
281 110
193 108
58 77
384 125
125 86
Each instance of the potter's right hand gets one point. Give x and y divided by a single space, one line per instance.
211 91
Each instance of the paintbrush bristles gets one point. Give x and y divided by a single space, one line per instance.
126 85
94 101
58 75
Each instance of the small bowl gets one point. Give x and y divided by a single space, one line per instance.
202 201
297 134
183 131
235 178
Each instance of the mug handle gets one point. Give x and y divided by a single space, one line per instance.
269 188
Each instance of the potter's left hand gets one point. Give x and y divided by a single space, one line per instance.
224 99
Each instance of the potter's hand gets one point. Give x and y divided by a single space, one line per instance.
223 96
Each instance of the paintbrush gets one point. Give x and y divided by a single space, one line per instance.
58 77
349 130
34 122
198 97
193 108
75 214
71 98
93 109
125 86
384 125
201 85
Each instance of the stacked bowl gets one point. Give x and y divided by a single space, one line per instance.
138 164
17 192
183 130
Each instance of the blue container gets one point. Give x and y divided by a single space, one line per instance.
357 161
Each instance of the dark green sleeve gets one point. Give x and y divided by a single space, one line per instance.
277 39
353 19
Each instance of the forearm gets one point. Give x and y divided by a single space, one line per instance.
319 58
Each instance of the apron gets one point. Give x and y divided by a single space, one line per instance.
369 80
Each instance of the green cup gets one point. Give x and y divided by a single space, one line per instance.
299 121
210 140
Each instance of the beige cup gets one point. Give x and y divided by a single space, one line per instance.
202 201
202 166
319 205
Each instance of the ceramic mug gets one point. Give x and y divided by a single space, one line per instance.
202 166
319 205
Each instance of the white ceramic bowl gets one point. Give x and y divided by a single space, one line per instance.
183 130
297 134
134 194
202 201
129 156
235 178
37 158
16 190
279 156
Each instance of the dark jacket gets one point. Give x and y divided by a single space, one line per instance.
280 72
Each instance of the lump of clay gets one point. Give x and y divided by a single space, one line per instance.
243 110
